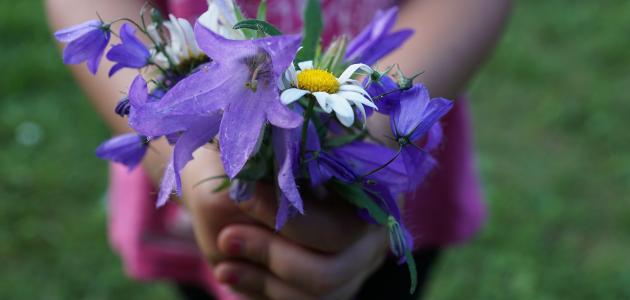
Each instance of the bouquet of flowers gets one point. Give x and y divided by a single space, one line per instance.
278 107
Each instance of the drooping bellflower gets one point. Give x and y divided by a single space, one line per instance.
377 40
127 149
131 53
86 42
411 119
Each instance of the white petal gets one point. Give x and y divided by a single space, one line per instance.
342 109
357 98
291 95
322 100
353 88
291 75
352 69
305 65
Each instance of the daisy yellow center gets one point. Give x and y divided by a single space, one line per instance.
316 80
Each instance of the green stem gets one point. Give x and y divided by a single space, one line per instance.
307 116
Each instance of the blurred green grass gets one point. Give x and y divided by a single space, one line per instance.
551 111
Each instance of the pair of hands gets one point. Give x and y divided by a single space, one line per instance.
325 254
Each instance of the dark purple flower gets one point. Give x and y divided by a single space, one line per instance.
411 119
127 149
363 158
131 53
385 92
377 40
123 107
240 82
416 113
287 150
86 42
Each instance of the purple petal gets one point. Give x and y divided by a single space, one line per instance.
375 41
115 68
434 137
382 92
385 45
167 186
408 114
132 53
128 149
285 212
74 32
434 111
89 47
418 164
198 134
364 157
286 149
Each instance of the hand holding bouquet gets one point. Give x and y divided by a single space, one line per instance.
279 108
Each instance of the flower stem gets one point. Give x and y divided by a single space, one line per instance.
307 117
384 165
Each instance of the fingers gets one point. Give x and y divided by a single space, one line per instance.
318 228
314 272
256 283
210 210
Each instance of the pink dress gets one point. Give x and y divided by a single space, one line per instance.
448 209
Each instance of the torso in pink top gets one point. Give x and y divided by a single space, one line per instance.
446 210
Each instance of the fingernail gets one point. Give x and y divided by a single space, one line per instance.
235 247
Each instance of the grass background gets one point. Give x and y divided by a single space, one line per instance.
551 111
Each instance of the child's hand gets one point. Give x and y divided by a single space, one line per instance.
263 264
325 254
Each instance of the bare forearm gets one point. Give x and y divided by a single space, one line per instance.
452 38
103 92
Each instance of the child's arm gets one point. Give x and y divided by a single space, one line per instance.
104 92
452 38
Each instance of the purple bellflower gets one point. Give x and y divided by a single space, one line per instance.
86 42
131 53
411 119
377 40
384 91
127 149
239 84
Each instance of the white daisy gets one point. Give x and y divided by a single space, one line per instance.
332 93
181 46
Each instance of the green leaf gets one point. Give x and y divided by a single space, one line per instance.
355 194
262 11
313 25
258 25
224 185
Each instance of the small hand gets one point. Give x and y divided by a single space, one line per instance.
326 254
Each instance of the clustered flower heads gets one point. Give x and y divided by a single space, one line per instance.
277 107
